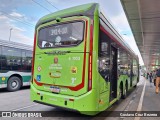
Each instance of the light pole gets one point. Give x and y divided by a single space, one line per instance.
10 33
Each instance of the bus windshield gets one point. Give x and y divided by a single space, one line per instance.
59 35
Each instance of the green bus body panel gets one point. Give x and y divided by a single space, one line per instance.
87 102
3 81
64 66
103 88
62 70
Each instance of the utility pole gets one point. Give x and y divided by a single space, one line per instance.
10 34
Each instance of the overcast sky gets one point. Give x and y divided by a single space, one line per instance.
20 17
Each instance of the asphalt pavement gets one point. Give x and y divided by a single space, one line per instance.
141 98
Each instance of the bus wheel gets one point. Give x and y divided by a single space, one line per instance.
120 92
124 94
135 86
14 83
119 95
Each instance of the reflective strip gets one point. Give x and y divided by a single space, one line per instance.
3 85
9 73
26 83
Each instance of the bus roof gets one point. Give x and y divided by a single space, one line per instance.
86 10
117 34
15 45
73 11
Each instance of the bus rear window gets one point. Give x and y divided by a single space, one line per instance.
60 35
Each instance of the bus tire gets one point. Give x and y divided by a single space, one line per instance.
124 93
119 95
135 86
14 84
120 92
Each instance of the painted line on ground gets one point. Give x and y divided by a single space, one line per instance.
141 101
24 107
131 101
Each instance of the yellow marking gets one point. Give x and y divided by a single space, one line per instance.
56 74
101 102
73 70
113 101
3 78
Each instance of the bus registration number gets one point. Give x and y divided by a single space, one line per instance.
54 89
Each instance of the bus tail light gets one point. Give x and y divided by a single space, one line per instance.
71 99
90 59
33 57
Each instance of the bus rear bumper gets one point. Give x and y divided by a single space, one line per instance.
85 104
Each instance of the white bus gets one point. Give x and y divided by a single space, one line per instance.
15 65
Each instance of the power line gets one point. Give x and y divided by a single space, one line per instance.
41 6
19 20
52 4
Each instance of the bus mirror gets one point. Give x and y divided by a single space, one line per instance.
58 19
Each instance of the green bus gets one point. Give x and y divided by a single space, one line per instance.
15 65
80 62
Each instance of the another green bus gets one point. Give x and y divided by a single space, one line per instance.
80 61
15 65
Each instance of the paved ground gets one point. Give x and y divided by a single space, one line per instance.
20 101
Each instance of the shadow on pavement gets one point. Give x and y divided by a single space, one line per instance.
4 90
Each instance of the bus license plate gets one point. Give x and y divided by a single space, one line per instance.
55 89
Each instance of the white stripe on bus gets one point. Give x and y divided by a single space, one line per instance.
9 73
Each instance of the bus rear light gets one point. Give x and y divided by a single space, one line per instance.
89 85
33 57
90 59
90 67
71 99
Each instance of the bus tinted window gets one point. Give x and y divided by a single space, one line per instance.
26 60
15 59
11 58
104 55
124 63
61 35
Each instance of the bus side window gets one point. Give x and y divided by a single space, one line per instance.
26 60
135 67
104 55
129 65
124 63
47 44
